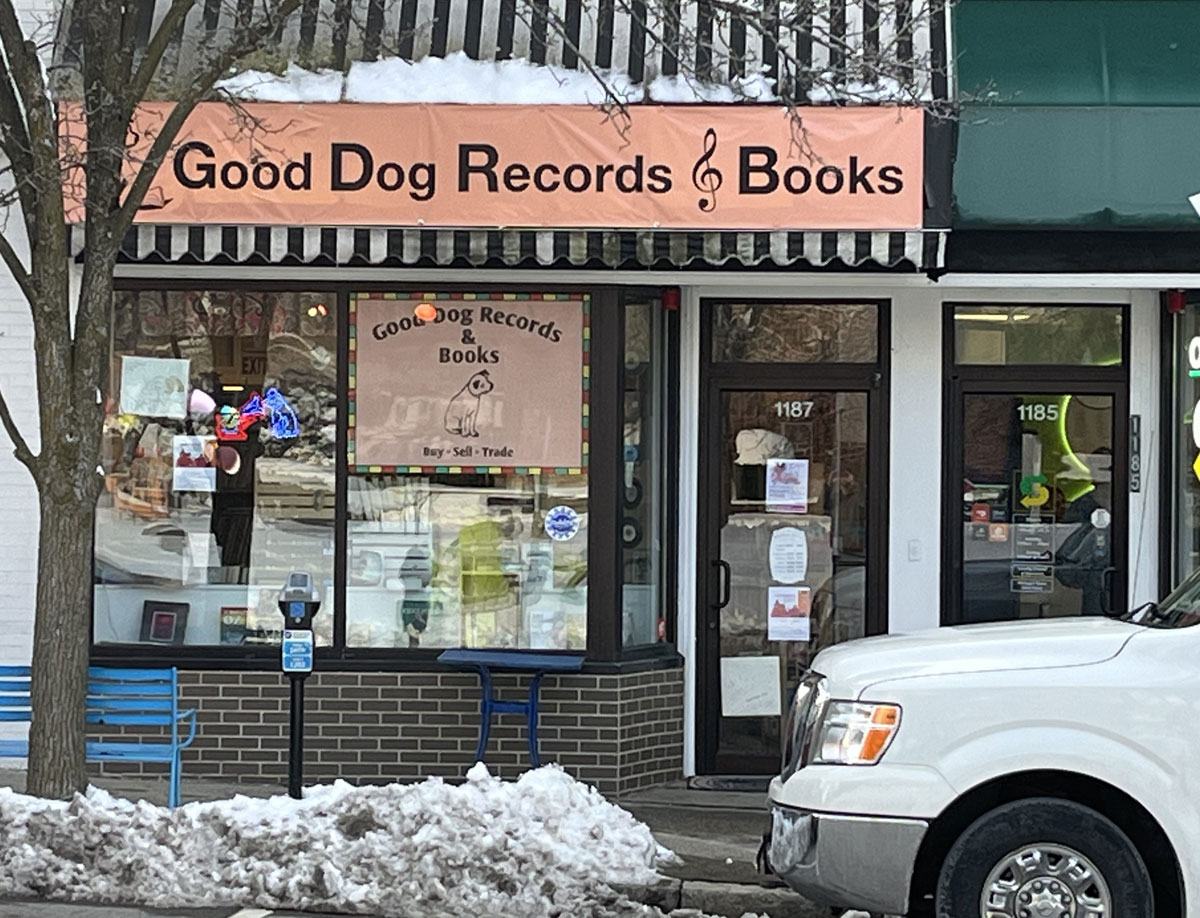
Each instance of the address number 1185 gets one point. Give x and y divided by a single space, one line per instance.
1038 411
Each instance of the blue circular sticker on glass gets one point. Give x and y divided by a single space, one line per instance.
562 523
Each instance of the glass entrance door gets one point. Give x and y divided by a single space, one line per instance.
1041 520
790 524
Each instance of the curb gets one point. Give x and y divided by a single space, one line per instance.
731 900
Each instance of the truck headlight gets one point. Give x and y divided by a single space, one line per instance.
802 722
856 732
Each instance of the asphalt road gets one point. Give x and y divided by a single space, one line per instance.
39 909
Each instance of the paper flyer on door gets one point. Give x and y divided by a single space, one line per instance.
751 687
788 555
787 486
788 613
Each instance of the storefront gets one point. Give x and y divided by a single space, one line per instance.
561 438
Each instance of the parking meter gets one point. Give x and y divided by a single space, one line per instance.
298 602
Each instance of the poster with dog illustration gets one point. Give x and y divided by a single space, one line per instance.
467 382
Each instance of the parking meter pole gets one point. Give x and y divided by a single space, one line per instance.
298 601
296 748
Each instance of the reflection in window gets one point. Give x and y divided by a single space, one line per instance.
1048 335
1037 506
1185 452
795 332
465 561
644 471
218 456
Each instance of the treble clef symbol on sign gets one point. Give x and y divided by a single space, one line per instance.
705 177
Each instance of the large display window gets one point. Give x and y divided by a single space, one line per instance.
425 456
219 456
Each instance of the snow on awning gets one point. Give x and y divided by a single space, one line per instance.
636 249
787 44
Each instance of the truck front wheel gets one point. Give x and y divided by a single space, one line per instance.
1044 858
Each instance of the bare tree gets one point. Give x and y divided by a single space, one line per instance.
108 78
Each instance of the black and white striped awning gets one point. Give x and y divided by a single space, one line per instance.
634 249
713 42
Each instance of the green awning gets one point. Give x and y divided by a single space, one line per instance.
1084 167
1081 113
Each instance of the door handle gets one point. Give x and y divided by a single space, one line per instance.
723 568
1106 589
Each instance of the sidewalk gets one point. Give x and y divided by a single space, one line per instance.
154 790
716 833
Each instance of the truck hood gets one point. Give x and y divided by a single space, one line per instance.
971 649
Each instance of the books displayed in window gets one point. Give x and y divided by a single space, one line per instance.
163 622
233 624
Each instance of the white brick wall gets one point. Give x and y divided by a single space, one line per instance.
39 21
18 497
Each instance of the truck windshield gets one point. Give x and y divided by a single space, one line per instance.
1179 610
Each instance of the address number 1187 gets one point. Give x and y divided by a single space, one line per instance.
793 409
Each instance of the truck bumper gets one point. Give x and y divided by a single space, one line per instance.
852 862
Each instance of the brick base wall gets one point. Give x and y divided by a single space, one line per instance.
617 732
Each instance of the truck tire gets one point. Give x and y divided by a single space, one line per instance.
1016 861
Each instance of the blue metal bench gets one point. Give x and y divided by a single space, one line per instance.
484 662
115 698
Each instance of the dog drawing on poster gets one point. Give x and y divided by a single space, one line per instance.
462 414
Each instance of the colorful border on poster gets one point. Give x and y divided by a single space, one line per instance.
426 297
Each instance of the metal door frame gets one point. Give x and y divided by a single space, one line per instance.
1018 380
719 378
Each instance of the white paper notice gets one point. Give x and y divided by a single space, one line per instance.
789 555
193 468
787 485
788 611
154 387
750 687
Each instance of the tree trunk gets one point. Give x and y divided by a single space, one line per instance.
62 637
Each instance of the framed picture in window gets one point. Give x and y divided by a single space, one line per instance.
233 624
163 622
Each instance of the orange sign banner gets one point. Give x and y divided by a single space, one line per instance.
698 167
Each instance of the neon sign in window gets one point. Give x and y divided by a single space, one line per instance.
272 407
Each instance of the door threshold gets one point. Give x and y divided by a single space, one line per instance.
730 782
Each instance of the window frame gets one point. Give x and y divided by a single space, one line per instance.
1013 372
670 460
604 647
1171 335
962 379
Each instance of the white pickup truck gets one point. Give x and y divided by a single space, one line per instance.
1046 769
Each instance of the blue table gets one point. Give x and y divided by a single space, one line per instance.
484 662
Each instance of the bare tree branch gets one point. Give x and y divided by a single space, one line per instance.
241 45
15 266
147 69
20 447
25 66
14 138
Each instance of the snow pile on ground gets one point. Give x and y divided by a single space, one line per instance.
542 846
459 78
